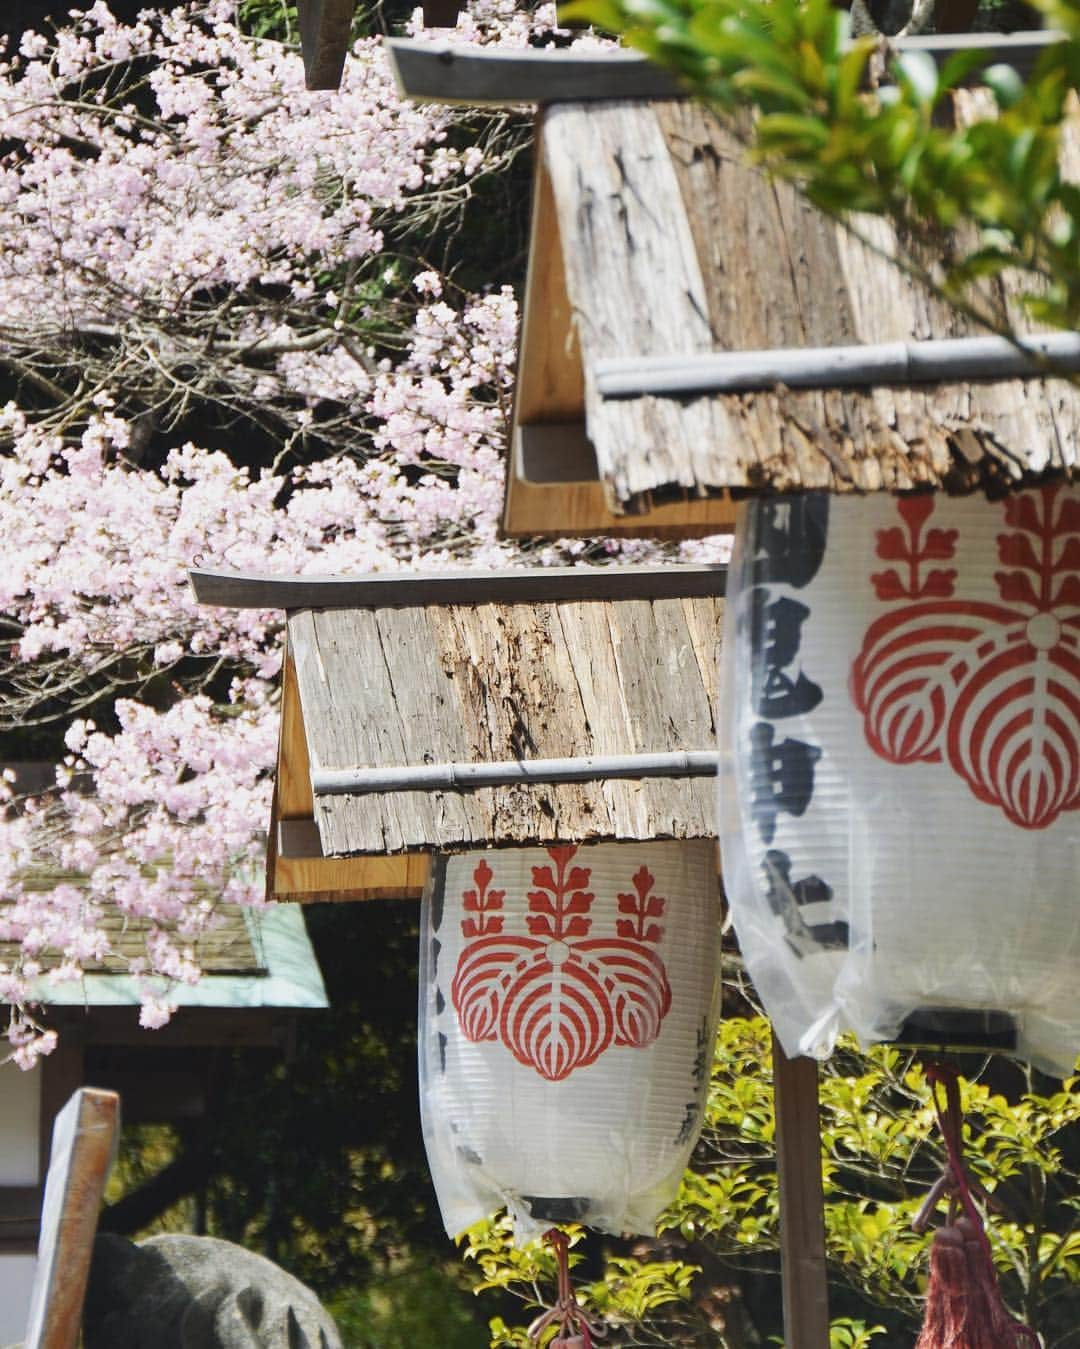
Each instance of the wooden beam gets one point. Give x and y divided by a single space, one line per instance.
436 73
293 799
560 510
240 590
325 880
189 1028
324 38
432 72
156 1094
20 1207
84 1139
938 361
550 386
802 1202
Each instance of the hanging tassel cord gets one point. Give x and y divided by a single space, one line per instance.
964 1309
954 1179
576 1329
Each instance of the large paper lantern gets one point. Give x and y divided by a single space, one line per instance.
567 1014
901 771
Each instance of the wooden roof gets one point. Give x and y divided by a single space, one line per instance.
722 259
613 662
652 238
250 959
228 949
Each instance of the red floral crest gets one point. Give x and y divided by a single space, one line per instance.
993 689
558 998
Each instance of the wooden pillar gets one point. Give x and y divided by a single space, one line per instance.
802 1202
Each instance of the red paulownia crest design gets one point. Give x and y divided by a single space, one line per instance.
991 689
558 997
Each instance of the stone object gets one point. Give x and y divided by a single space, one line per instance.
186 1292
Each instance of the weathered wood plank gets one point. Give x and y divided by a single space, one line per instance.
550 383
491 683
61 1075
633 277
84 1140
241 590
802 1202
324 39
553 487
436 73
770 272
347 698
423 705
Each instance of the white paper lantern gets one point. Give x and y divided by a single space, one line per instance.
901 772
567 1014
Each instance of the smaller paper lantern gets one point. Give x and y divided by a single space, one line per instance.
901 767
567 1013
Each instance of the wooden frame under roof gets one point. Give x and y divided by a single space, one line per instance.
611 673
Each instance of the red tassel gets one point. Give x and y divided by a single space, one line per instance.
964 1309
963 1303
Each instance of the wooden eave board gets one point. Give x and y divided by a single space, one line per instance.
672 244
494 682
306 874
471 76
564 495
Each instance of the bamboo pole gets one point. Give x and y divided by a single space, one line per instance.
944 360
449 776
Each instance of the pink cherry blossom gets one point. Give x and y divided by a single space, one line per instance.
215 240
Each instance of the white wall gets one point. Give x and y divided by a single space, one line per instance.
16 1280
20 1113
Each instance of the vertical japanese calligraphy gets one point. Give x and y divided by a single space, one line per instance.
788 544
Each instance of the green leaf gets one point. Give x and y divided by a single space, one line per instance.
1005 84
918 72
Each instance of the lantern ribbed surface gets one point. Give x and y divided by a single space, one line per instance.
567 1013
900 777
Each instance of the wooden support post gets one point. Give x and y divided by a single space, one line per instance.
802 1202
83 1144
441 13
324 38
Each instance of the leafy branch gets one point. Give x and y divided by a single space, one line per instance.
970 181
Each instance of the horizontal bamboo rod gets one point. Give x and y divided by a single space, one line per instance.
946 360
449 776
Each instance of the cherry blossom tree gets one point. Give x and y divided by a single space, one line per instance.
229 334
